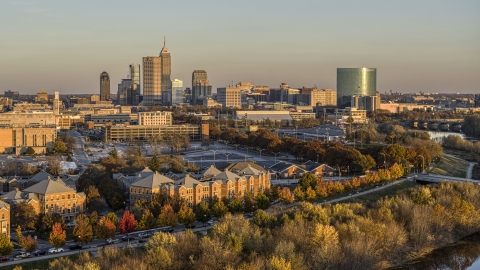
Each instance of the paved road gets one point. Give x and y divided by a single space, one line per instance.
470 170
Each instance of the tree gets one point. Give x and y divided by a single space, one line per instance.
167 216
202 212
155 164
6 247
44 222
113 217
59 146
263 202
105 229
155 142
396 171
186 215
30 151
248 203
148 221
22 214
94 201
83 230
219 209
28 243
308 180
57 236
127 223
286 196
54 167
299 193
236 205
93 218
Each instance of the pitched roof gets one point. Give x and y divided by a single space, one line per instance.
188 182
210 172
152 181
49 186
238 166
4 205
250 171
40 176
227 176
280 166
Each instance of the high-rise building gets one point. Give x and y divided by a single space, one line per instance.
152 80
13 95
201 88
56 103
134 70
324 97
166 62
355 82
177 92
104 86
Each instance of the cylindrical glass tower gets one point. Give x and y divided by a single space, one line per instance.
355 82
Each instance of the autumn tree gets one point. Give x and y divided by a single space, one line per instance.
127 224
83 230
286 196
44 222
396 171
105 229
113 217
167 216
6 247
59 146
148 221
57 236
308 180
186 215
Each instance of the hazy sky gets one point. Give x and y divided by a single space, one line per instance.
64 45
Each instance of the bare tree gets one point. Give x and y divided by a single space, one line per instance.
155 141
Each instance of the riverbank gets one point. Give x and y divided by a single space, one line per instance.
462 254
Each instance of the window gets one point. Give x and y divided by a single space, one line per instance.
68 196
3 216
63 196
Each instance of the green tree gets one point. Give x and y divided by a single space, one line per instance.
186 215
57 236
30 151
236 205
44 222
202 212
167 216
59 146
105 229
155 164
263 202
6 247
308 180
113 217
219 209
93 219
22 214
249 203
83 230
263 220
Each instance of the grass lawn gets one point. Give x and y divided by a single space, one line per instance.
41 264
449 166
389 191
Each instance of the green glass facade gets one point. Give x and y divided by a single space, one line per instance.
355 82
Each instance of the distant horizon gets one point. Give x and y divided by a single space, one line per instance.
428 46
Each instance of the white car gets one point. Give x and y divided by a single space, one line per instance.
211 222
55 250
112 240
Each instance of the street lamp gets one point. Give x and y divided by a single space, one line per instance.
227 155
214 151
276 156
317 131
338 172
260 150
384 160
204 226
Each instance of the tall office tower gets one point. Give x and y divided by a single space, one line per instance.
152 80
230 97
134 70
56 104
355 82
201 88
122 93
104 86
166 62
177 92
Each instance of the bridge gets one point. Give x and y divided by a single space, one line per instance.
436 178
454 125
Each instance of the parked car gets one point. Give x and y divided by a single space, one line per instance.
191 226
4 259
144 235
22 255
211 222
71 225
125 239
112 240
55 250
74 246
40 252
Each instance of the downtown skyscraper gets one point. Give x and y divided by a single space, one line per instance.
104 86
201 88
157 84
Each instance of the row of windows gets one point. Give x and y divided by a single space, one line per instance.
52 197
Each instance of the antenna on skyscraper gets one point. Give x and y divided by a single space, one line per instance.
164 41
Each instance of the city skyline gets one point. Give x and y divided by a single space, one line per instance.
430 46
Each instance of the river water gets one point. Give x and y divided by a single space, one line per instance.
463 255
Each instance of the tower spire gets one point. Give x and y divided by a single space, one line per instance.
164 41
